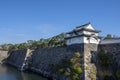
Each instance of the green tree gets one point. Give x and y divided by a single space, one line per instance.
23 46
108 36
35 44
30 42
70 67
6 46
13 47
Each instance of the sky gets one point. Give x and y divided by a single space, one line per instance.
22 20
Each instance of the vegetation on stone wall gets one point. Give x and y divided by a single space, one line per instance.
105 59
33 44
105 74
118 74
107 66
70 68
93 73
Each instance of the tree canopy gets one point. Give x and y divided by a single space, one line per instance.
34 44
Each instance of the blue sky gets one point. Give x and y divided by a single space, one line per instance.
22 20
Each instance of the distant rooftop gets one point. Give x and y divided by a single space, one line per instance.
112 38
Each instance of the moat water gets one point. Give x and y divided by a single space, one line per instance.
10 73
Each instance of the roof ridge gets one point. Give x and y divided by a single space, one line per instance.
83 25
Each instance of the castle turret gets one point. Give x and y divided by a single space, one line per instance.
87 37
83 34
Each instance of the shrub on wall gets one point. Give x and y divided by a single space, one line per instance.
105 73
93 73
105 58
70 67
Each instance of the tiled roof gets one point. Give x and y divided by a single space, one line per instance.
83 27
80 36
112 39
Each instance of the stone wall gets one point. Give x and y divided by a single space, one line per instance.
44 60
17 58
114 50
90 61
3 55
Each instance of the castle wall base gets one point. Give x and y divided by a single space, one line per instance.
90 61
42 61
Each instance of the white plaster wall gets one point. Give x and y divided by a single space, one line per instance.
76 40
73 34
91 40
79 40
109 41
89 33
90 27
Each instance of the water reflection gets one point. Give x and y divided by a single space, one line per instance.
9 73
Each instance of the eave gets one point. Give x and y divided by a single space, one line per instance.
81 36
83 29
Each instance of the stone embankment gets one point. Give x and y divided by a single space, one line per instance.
3 55
42 61
18 58
114 50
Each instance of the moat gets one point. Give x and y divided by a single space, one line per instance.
10 73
